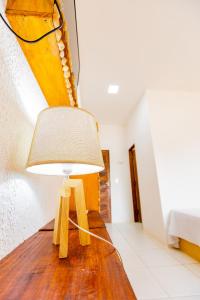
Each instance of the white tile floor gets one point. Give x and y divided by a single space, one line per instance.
155 271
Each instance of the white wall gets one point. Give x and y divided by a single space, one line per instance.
112 137
26 201
138 133
175 126
165 128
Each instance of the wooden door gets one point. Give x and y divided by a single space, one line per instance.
105 201
134 185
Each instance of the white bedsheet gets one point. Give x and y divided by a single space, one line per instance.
184 224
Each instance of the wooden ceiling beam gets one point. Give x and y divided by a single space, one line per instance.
35 8
31 19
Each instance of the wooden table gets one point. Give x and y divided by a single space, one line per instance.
33 270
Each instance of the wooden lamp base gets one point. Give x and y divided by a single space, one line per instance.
60 234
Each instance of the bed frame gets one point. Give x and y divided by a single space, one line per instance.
190 249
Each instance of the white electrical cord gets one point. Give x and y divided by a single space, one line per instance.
97 237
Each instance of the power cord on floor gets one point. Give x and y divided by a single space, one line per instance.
97 237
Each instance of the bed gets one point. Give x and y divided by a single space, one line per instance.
184 231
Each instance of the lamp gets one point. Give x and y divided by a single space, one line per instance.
65 142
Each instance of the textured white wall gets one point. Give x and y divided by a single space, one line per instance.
26 201
112 137
138 133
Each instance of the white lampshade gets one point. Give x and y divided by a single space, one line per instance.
65 142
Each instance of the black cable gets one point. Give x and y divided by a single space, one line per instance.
41 37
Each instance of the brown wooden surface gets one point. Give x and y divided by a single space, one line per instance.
33 271
135 185
105 200
93 220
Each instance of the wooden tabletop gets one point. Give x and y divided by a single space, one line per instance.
33 270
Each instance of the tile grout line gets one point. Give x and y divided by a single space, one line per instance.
146 267
124 237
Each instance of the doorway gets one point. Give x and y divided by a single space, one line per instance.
135 185
105 199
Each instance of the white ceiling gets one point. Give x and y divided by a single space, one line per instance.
138 44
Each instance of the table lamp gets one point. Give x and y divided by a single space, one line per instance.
65 142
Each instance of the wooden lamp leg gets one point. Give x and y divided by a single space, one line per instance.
60 235
81 214
56 232
63 251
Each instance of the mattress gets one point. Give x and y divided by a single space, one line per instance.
184 224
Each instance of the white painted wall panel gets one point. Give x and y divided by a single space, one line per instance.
175 126
138 133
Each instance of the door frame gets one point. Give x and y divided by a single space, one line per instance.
135 185
107 151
